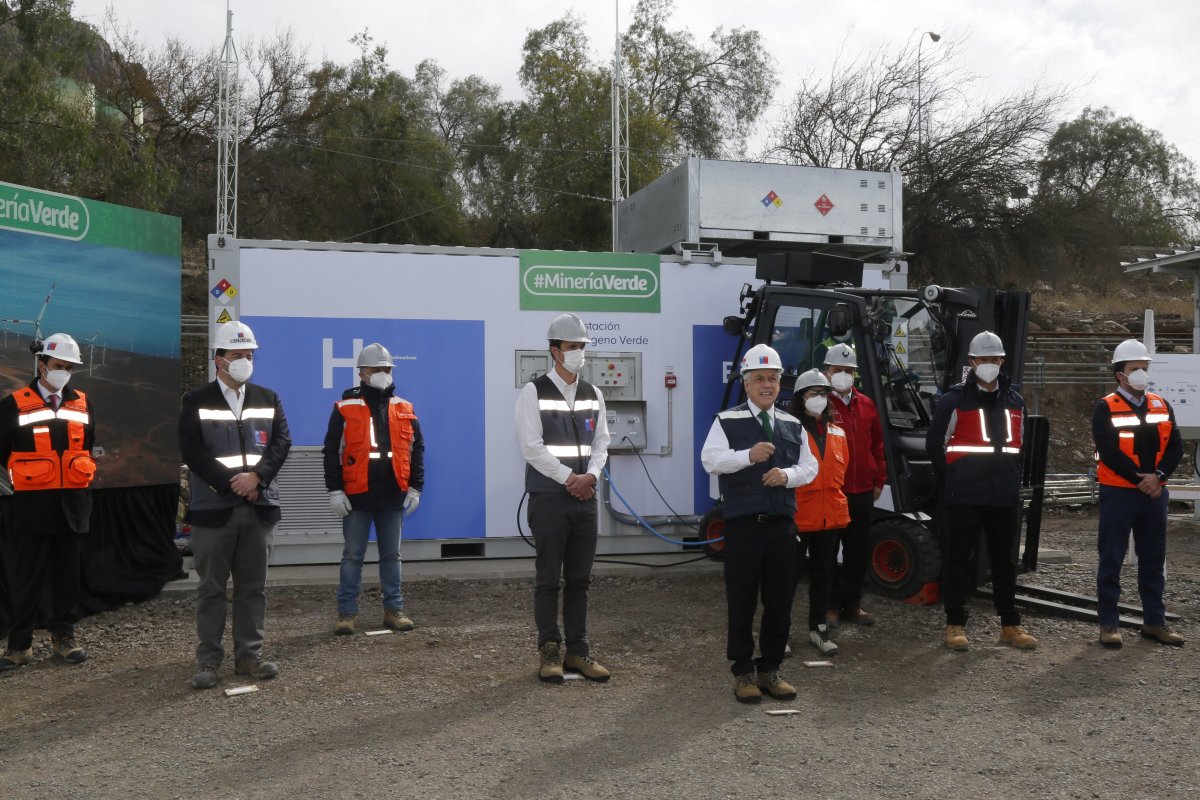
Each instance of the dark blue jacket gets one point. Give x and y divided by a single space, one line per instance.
979 479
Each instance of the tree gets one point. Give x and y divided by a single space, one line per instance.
1109 175
959 216
711 95
59 127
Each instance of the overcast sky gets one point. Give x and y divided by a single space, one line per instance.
1132 56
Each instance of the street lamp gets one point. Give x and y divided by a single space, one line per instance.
933 37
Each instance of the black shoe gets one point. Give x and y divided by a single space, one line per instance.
258 669
205 677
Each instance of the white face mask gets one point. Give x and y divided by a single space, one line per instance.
56 379
986 373
1138 380
380 380
816 405
573 361
240 370
842 382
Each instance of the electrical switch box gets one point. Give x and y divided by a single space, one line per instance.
618 376
626 425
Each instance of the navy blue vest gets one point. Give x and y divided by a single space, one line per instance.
567 435
742 492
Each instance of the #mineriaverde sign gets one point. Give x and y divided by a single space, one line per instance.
558 281
41 212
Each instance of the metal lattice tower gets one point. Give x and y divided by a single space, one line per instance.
227 133
620 129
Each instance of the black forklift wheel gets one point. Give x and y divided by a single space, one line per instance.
904 558
712 528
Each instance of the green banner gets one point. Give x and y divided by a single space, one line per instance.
553 280
63 216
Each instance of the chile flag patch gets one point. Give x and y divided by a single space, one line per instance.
260 438
589 425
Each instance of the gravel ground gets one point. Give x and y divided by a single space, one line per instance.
453 709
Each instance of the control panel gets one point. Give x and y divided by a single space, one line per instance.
617 375
626 425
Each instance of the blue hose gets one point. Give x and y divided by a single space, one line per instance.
650 527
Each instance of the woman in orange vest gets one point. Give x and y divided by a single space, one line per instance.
821 507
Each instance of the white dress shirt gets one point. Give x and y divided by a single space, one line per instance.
719 459
47 394
234 397
529 432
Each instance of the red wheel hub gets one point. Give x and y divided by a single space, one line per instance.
715 531
890 561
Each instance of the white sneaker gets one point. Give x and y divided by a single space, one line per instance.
820 640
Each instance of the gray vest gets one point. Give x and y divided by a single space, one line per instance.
567 434
238 444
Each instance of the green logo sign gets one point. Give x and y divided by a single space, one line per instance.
558 281
43 213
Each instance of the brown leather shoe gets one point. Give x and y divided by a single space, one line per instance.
550 667
774 684
1163 635
65 648
396 620
15 658
745 688
857 616
1110 637
345 625
1015 636
956 638
587 667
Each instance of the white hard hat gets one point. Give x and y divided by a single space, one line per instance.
1130 350
568 328
761 356
62 347
807 380
986 344
841 355
234 336
374 355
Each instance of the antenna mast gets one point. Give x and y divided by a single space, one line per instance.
227 133
620 127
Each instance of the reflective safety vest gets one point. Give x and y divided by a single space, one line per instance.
567 431
822 505
360 444
970 435
1126 421
44 467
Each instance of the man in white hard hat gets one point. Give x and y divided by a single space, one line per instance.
974 442
866 475
47 432
374 457
234 439
563 433
760 455
1138 446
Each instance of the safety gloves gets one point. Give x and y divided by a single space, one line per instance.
411 501
339 504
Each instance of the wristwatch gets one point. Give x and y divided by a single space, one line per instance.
1162 476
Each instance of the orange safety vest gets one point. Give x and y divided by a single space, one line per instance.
971 437
1125 419
821 505
44 467
361 446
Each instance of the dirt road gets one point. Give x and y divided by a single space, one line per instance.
453 709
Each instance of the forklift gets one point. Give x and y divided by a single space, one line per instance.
911 346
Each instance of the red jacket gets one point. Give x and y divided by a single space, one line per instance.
867 470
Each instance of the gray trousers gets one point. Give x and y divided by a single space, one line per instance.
564 532
241 548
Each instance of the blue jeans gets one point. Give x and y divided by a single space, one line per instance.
356 530
1122 510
